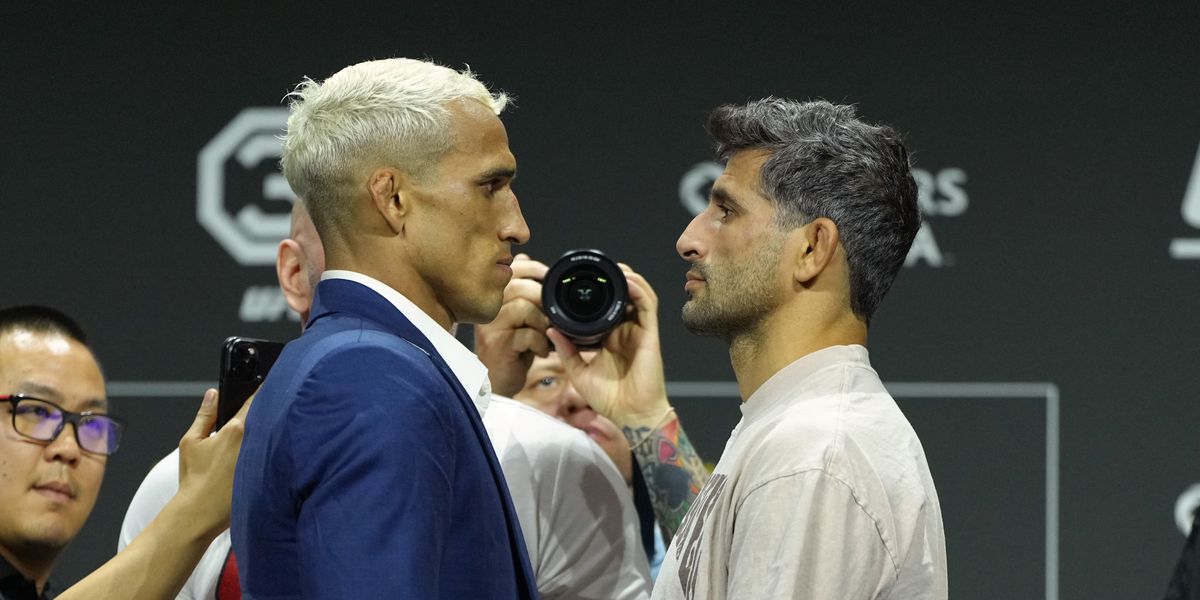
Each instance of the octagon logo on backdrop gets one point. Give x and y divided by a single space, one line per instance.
244 202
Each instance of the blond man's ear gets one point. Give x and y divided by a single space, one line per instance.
293 276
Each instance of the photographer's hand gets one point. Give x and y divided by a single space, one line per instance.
624 381
507 345
206 463
161 558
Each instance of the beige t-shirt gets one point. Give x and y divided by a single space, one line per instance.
822 493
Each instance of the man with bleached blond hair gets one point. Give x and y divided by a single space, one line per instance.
366 471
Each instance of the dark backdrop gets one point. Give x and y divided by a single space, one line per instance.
1042 340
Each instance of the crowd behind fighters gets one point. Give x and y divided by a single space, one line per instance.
366 469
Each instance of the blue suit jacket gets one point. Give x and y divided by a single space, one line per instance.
366 471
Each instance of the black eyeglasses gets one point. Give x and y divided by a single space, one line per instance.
43 420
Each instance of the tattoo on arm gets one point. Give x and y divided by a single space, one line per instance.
673 471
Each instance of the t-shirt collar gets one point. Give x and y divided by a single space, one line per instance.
793 376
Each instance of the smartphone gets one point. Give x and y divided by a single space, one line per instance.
245 363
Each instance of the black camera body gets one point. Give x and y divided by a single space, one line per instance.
585 295
245 363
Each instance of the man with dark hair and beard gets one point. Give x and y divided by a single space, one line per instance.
823 490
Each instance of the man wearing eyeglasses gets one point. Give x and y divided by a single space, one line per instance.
49 382
56 436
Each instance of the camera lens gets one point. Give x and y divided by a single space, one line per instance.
244 359
585 296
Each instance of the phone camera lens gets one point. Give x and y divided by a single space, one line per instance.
244 362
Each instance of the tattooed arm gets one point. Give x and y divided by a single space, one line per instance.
673 471
624 381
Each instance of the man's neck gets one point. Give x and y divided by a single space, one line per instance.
785 336
398 277
34 566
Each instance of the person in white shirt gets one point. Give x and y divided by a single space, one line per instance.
571 492
548 389
823 490
577 515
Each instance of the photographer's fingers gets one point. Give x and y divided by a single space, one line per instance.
642 296
519 314
523 289
643 284
526 268
531 340
567 352
206 417
647 304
